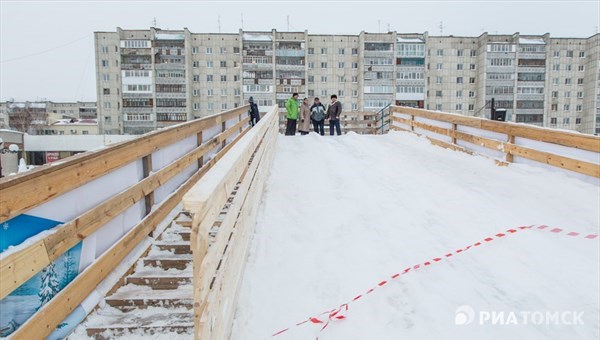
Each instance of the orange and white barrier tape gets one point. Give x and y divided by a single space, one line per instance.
335 314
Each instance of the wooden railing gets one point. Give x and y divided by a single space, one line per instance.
226 201
505 142
183 154
359 122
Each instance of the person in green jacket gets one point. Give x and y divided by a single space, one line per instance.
291 106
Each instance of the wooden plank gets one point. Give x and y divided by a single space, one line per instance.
570 139
509 157
21 266
562 162
147 169
53 313
23 192
480 141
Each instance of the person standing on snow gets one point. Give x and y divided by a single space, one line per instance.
304 125
318 116
291 106
253 112
333 113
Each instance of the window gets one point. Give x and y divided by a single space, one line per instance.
501 62
354 65
355 106
555 67
224 106
106 77
567 94
311 79
209 77
341 64
569 67
553 120
107 105
566 120
459 93
579 81
323 50
554 107
236 78
340 93
438 80
355 79
323 65
209 50
458 107
581 54
223 63
581 68
223 50
311 50
472 66
106 91
324 93
209 63
236 50
439 66
196 92
460 53
438 93
196 106
355 51
438 107
440 52
223 78
323 79
569 54
104 63
311 93
579 94
104 49
194 50
554 81
567 81
354 93
473 53
223 92
311 65
579 108
556 54
196 78
459 80
471 107
567 107
236 92
471 94
196 64
210 106
554 94
472 80
341 79
459 66
500 48
577 121
341 51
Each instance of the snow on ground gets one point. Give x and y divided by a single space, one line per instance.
342 213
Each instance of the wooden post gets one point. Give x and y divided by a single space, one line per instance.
509 155
412 123
453 133
147 168
201 159
223 128
239 120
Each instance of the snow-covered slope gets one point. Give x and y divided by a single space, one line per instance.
341 214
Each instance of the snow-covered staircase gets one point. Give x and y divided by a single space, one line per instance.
155 297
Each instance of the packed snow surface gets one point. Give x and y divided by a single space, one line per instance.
340 214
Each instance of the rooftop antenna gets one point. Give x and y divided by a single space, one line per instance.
388 27
288 22
242 15
441 28
154 24
219 22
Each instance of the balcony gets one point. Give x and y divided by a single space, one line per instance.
136 66
171 116
170 66
290 53
170 80
176 95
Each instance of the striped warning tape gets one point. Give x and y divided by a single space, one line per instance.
337 313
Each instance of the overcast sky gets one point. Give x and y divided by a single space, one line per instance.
47 51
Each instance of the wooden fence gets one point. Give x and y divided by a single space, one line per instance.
223 205
505 142
360 122
182 155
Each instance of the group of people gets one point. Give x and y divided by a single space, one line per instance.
301 115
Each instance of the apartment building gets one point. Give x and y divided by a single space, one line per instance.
39 117
147 79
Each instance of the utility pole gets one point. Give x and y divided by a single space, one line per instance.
441 28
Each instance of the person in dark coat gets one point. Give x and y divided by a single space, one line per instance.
317 114
253 112
333 113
